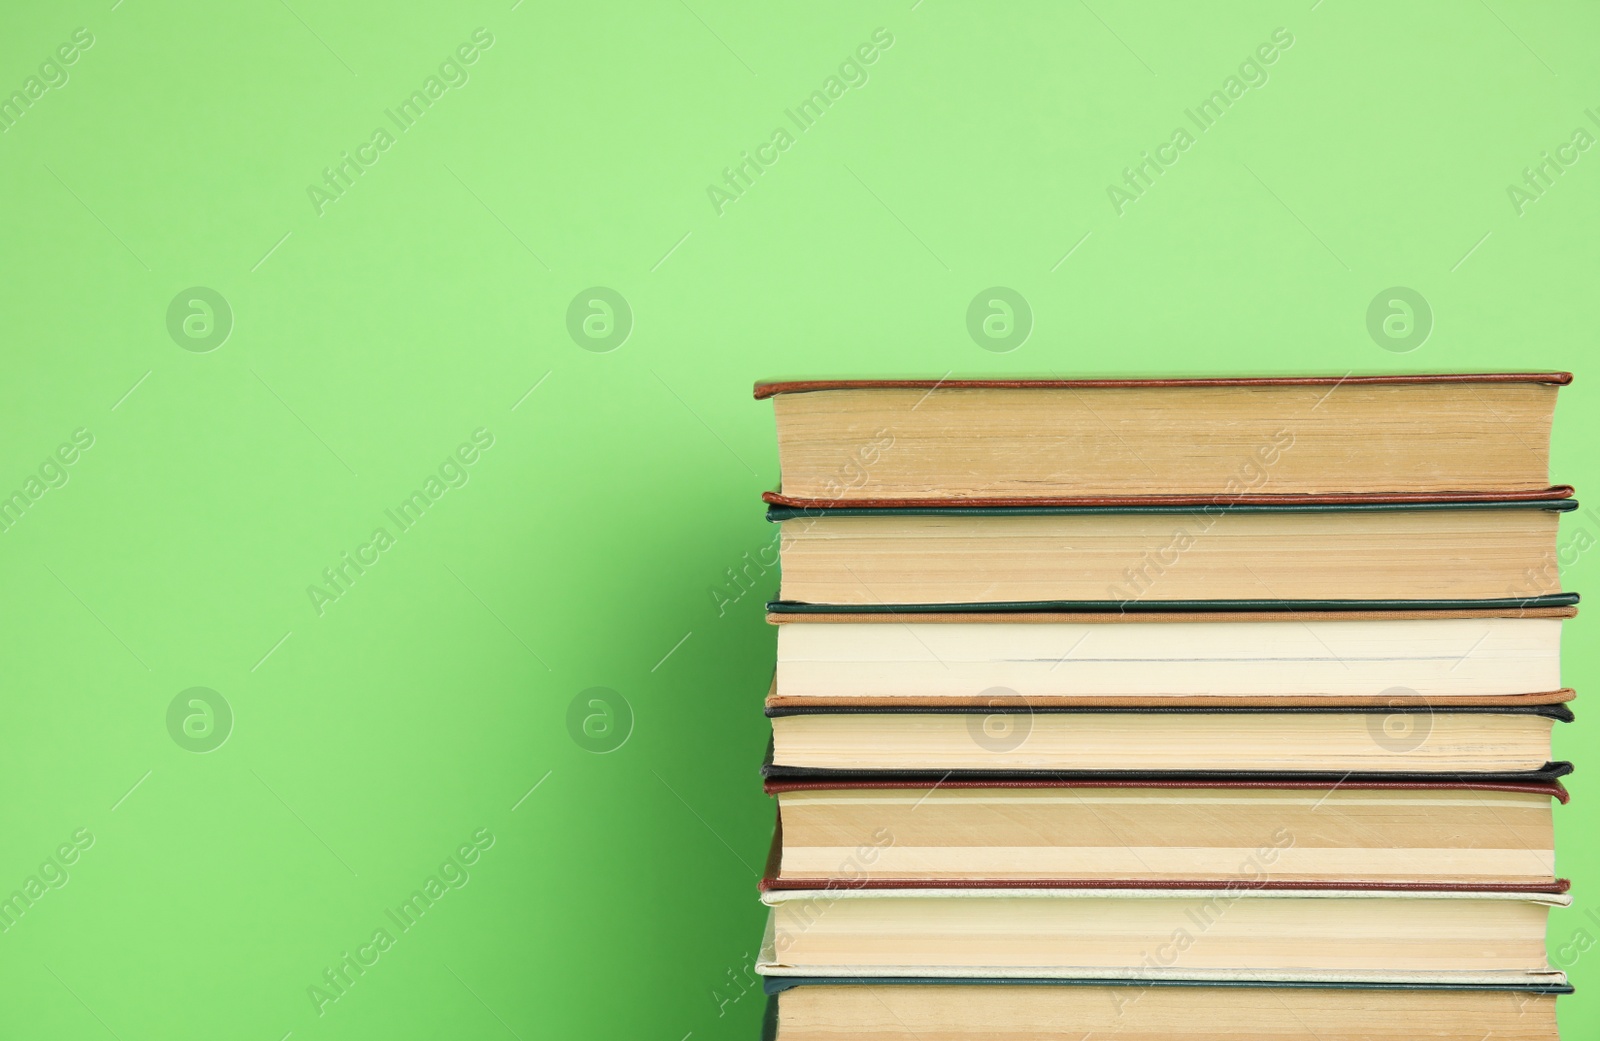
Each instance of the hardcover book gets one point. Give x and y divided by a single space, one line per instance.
1242 933
1143 557
1381 659
1031 441
924 737
910 1009
1264 831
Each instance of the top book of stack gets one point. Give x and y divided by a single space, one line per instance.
1022 442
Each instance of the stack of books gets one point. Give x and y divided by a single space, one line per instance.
1179 709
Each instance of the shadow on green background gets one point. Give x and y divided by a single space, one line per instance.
373 318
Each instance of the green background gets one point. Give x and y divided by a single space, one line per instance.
588 547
